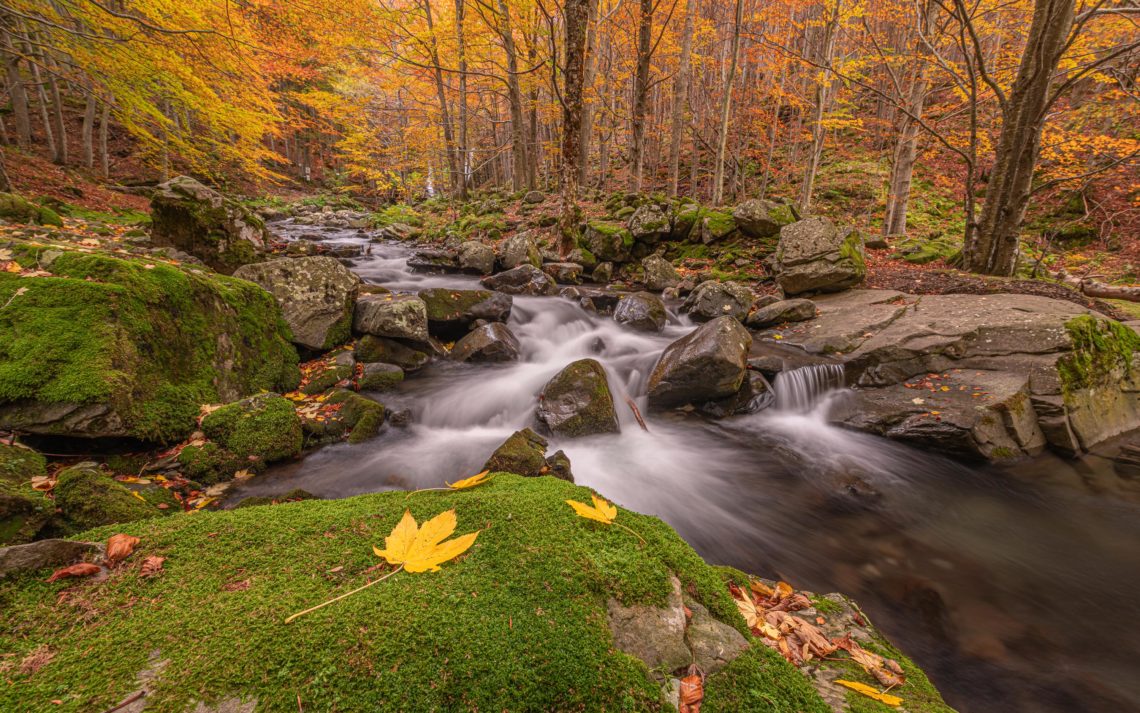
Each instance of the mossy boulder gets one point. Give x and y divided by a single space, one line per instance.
19 465
379 376
524 453
577 402
360 414
715 225
920 251
451 313
759 218
23 510
329 377
814 255
110 347
210 463
87 498
371 349
607 241
265 427
18 209
519 249
200 221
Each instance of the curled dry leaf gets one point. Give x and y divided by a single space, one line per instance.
151 566
83 569
692 690
120 547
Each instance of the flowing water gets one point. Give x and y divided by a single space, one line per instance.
1015 590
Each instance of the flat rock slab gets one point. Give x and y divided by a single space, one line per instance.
845 320
42 554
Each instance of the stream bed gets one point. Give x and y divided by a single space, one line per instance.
1015 588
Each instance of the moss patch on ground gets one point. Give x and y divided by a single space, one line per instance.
517 623
265 427
152 341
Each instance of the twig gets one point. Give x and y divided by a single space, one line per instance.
127 701
630 532
636 413
346 594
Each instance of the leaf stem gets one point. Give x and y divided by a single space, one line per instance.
421 490
346 594
630 532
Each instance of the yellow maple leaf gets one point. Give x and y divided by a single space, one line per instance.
422 548
601 510
477 479
870 692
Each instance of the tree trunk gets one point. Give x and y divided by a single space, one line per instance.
520 164
822 98
464 152
105 159
992 249
906 151
441 96
680 100
640 95
16 90
5 182
576 19
588 106
773 133
726 108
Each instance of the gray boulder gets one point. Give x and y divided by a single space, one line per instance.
434 260
519 249
608 241
659 273
534 197
524 453
759 218
603 273
815 256
714 299
794 310
379 376
577 402
522 280
451 313
44 553
708 363
564 273
491 342
316 294
206 224
398 316
642 311
370 349
648 224
476 257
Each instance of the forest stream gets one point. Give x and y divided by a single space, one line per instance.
1014 588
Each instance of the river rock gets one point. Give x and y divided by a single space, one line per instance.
519 249
522 280
524 453
474 256
758 218
577 402
648 224
655 635
794 310
659 273
434 260
814 255
201 221
379 376
87 498
451 313
534 197
603 273
642 311
714 644
715 225
263 427
397 316
43 554
488 343
564 273
370 349
112 348
712 299
708 363
585 258
316 294
608 241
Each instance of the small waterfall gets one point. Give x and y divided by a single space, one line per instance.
801 389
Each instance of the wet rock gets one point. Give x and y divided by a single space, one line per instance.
451 313
648 224
378 349
712 299
378 376
524 453
201 221
87 498
603 273
659 273
435 259
708 363
398 231
519 249
316 294
396 316
577 402
642 311
363 416
564 273
490 343
43 554
521 280
210 463
655 635
264 427
23 512
476 257
815 256
794 310
328 377
759 218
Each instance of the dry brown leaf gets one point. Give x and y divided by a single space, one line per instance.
885 671
120 547
761 589
692 690
83 569
151 566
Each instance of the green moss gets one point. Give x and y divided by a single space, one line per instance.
524 452
359 413
444 305
852 249
718 223
761 680
1102 351
295 495
21 210
88 499
398 213
328 378
19 465
23 512
264 426
210 463
517 623
825 606
150 340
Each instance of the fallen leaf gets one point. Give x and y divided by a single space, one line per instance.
692 690
151 566
601 511
83 569
870 692
471 482
421 548
120 547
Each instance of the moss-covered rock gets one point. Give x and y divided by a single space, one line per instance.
264 426
328 378
379 376
23 512
295 495
380 349
21 210
87 498
19 465
117 347
200 221
607 241
363 416
210 463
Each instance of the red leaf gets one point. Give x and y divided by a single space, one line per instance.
83 569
